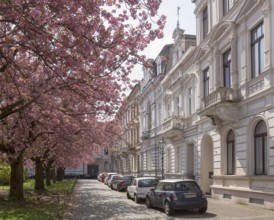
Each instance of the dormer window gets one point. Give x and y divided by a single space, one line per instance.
161 65
176 56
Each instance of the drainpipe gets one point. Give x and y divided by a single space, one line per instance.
155 134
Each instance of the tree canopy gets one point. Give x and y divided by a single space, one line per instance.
64 67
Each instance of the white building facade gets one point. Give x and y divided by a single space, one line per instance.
235 73
206 105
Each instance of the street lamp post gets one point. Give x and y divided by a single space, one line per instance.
162 142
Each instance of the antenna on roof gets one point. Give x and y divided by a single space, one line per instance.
178 17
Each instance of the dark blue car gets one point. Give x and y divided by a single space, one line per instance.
177 194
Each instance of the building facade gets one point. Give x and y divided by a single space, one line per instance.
235 70
206 103
126 153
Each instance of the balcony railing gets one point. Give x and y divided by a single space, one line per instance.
173 123
145 135
221 94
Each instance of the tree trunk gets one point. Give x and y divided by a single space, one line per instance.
16 180
48 183
39 176
60 173
53 174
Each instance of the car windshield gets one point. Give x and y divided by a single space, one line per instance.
116 177
147 183
127 178
184 186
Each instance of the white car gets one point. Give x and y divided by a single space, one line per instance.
140 187
108 175
113 177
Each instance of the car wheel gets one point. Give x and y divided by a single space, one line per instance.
167 209
136 199
148 203
202 210
128 196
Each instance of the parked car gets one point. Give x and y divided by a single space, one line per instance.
140 187
107 177
112 178
123 183
101 177
177 194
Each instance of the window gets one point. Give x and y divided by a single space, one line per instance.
189 101
230 143
177 107
168 162
159 114
226 5
160 186
206 82
205 22
260 141
257 50
227 68
186 186
168 110
148 160
177 160
161 67
153 118
106 152
168 187
147 183
190 160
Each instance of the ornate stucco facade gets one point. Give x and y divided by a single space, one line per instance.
206 104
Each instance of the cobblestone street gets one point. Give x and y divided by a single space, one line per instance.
94 200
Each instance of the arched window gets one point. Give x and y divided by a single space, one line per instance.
230 143
260 141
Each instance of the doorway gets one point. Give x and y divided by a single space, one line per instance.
93 171
207 161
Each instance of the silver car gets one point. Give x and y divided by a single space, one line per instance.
140 187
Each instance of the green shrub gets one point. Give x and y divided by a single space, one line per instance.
4 174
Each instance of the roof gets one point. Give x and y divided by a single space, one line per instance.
176 180
144 178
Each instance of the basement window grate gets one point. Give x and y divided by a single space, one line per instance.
256 201
226 196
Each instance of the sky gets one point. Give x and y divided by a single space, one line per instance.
186 22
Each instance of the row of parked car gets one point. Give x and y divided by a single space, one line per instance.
169 194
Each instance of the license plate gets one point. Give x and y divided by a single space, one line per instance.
190 195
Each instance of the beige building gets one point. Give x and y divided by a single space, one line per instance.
126 153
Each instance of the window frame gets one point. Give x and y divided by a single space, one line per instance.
189 101
257 50
205 21
227 68
230 143
262 137
206 82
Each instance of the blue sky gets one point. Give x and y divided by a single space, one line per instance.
186 21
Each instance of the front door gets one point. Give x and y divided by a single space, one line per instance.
207 162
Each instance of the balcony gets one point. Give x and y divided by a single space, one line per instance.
145 135
172 127
221 105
